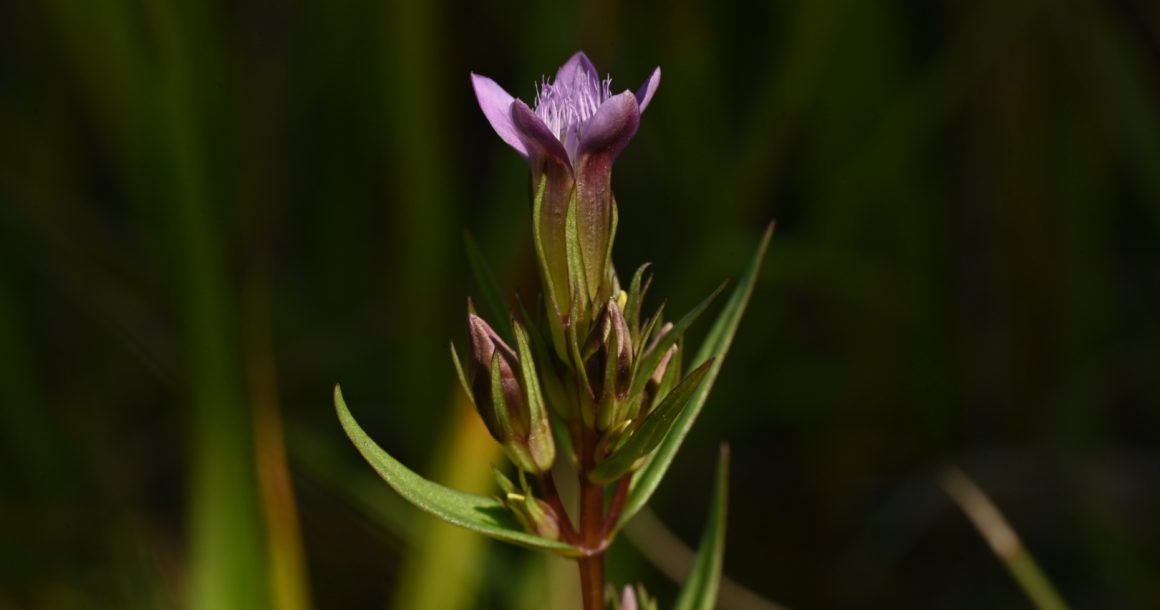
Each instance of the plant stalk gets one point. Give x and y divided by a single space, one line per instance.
591 528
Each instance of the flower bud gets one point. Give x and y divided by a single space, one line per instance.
487 348
660 380
534 514
608 360
506 393
630 599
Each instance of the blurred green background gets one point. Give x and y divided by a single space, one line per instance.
210 212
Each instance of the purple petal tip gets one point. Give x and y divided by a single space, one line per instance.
577 68
646 92
496 105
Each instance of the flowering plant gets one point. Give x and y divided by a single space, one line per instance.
592 379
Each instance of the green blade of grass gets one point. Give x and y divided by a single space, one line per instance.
700 590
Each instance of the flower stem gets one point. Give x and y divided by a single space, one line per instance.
591 528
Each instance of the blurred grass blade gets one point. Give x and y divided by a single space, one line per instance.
287 574
494 305
700 590
479 513
37 457
716 345
1002 539
227 561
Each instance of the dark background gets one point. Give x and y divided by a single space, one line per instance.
210 212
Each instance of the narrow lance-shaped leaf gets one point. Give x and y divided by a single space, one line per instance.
656 425
461 375
478 513
649 361
700 590
636 291
553 388
716 345
576 263
540 443
650 327
587 408
613 282
606 416
556 297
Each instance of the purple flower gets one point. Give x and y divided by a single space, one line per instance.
575 114
569 140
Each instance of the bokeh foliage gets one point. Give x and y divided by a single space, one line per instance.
212 211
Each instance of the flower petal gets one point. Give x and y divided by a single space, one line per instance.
613 125
537 139
496 104
648 89
578 68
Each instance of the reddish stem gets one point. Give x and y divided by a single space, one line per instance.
591 528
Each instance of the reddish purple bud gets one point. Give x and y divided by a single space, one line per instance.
485 346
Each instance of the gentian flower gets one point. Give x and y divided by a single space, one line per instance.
569 139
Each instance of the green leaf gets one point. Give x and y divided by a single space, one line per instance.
587 408
649 361
700 590
650 326
550 383
493 302
577 274
461 374
652 431
540 443
716 345
636 292
478 513
510 436
606 265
